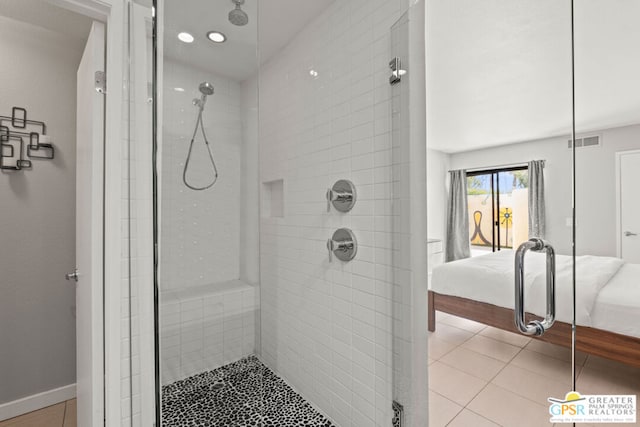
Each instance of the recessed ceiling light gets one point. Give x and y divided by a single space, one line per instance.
216 36
185 37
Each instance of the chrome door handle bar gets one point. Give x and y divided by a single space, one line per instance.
629 233
535 327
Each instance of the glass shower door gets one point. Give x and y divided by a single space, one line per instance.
499 96
607 227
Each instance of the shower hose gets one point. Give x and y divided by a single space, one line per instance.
206 143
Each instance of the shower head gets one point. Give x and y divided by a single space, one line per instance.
237 15
206 88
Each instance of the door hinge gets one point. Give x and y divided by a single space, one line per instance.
398 415
101 82
396 71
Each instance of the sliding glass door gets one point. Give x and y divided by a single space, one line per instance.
498 208
499 113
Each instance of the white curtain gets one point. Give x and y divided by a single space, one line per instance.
457 244
536 199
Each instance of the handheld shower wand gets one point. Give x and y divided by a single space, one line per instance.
206 89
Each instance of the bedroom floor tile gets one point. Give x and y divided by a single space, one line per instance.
611 367
531 385
530 371
476 364
508 409
595 381
505 336
466 324
447 410
467 418
452 334
439 347
492 348
541 364
454 384
556 351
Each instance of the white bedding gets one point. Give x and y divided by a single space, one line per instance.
490 279
617 307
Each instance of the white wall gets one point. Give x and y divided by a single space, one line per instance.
200 230
37 217
595 185
326 327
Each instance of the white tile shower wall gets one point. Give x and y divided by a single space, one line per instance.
200 230
325 115
202 331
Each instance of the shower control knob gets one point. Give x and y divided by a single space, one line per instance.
342 195
343 245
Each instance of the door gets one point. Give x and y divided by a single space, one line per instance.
89 232
607 229
499 97
629 206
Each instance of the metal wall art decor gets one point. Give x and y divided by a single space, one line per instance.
18 132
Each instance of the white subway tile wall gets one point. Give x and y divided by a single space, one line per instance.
137 409
324 116
203 329
199 230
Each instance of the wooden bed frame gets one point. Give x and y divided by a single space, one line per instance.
621 348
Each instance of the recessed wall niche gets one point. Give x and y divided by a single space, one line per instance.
273 199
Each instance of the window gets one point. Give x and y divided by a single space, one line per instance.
498 208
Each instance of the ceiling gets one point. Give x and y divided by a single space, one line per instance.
280 21
499 71
48 16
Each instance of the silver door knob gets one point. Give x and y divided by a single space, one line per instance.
72 276
629 233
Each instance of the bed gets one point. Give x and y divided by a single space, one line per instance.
607 299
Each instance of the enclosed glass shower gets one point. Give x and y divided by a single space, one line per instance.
287 282
301 220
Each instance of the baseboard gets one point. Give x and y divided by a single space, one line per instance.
36 401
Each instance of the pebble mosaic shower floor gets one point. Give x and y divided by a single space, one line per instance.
242 394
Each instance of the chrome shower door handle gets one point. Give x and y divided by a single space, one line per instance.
535 327
629 233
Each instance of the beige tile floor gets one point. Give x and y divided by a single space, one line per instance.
482 376
60 415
